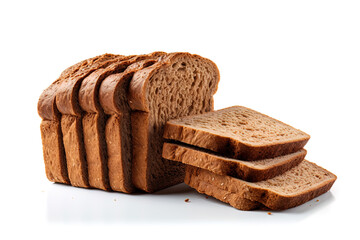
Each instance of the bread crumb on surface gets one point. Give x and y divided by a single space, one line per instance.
317 200
187 200
269 213
206 197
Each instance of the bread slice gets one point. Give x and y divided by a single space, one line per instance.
93 121
235 200
251 171
71 122
293 188
237 132
51 135
180 84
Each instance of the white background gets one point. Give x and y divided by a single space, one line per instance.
297 61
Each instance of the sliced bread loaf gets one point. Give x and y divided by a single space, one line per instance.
51 135
180 84
113 99
82 116
251 171
237 132
93 121
295 187
71 123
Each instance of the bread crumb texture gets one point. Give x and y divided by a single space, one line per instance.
244 125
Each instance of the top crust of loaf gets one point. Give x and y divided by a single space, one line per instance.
47 102
138 95
67 93
237 132
110 87
88 92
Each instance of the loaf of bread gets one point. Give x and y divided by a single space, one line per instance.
104 111
237 132
252 171
293 188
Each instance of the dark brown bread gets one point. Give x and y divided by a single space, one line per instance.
237 132
293 188
71 120
93 120
180 84
53 151
235 200
251 171
51 135
47 108
113 99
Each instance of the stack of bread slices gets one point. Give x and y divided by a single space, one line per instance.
246 159
103 118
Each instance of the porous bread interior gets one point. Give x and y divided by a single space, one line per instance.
243 124
183 87
298 179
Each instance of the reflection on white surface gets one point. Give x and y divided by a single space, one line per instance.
70 204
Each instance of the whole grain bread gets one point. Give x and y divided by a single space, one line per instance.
237 132
292 188
113 99
86 109
94 119
51 135
235 200
251 171
71 119
180 84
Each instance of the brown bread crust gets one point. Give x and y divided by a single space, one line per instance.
150 171
55 163
226 166
267 196
94 122
75 157
93 170
89 90
53 151
68 91
53 148
112 96
139 148
110 87
47 102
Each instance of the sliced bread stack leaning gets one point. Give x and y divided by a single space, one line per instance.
245 158
103 118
